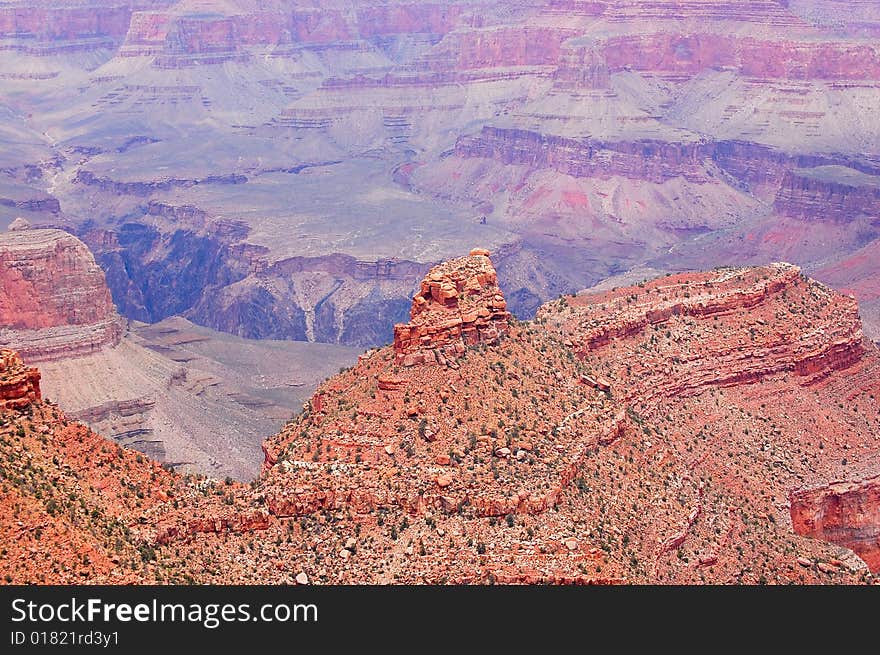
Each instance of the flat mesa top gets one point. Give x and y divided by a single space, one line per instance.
30 238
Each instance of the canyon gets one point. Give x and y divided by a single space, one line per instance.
232 219
290 173
703 427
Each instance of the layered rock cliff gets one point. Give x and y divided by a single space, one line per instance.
830 193
54 301
649 160
810 349
689 54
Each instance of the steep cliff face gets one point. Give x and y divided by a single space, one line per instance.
187 263
155 274
845 513
411 18
45 25
689 54
183 39
763 13
827 178
650 160
831 193
53 300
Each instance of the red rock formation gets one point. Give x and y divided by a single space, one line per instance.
845 513
627 315
53 299
68 25
669 349
230 521
498 47
664 452
19 385
409 18
181 40
146 34
459 305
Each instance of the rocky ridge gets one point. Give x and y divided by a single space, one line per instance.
810 353
545 456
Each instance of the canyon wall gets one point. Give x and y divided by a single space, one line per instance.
805 195
689 54
674 119
654 161
54 301
218 281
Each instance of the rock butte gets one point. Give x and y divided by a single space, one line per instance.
19 384
54 301
459 305
730 404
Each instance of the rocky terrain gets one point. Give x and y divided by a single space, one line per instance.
188 397
191 398
716 427
844 513
292 171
